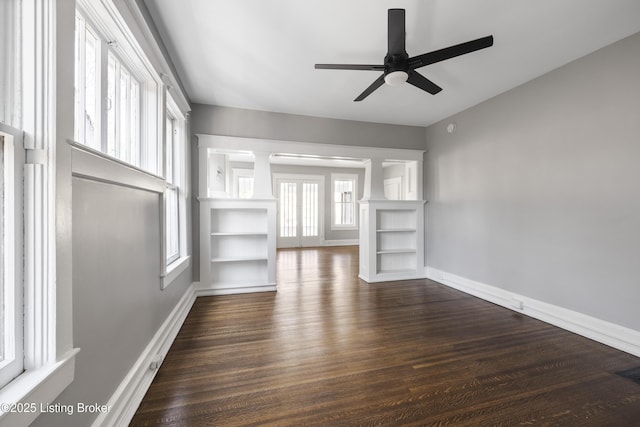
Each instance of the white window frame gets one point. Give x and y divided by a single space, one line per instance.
173 168
175 265
10 74
143 151
49 356
123 112
82 28
342 177
11 256
237 174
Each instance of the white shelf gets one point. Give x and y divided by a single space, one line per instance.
392 240
239 221
239 259
395 261
396 251
240 233
394 219
238 248
239 273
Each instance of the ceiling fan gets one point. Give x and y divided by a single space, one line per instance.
399 67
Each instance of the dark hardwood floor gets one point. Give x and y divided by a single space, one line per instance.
328 349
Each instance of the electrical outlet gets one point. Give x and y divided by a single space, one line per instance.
155 363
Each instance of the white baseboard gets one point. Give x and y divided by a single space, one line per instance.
341 242
125 400
231 289
364 277
611 334
392 276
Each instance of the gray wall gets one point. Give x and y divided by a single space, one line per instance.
538 192
117 302
215 120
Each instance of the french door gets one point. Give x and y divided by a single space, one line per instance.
300 210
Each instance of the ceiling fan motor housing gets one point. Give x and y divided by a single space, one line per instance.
398 67
396 62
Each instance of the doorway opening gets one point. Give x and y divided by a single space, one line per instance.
300 210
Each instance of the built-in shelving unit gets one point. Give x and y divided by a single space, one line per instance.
237 249
391 240
238 236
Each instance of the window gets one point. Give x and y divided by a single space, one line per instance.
116 96
243 183
123 112
345 188
36 344
86 85
172 208
10 75
11 345
175 226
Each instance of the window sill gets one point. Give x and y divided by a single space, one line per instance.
95 165
175 269
35 389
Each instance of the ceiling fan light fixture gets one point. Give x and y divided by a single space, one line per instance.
396 78
399 67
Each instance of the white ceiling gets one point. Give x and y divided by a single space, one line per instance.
260 54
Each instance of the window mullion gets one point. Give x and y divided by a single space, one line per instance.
116 110
127 118
80 79
177 160
102 95
135 125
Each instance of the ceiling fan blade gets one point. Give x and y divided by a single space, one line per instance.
420 81
349 67
368 91
396 32
450 52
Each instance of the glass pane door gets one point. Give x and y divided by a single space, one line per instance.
288 221
299 212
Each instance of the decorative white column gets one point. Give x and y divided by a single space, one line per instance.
373 180
262 175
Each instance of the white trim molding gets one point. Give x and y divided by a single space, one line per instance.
232 289
97 166
125 400
174 270
341 242
222 143
46 104
611 334
40 385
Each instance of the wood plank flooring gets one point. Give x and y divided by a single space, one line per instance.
328 349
